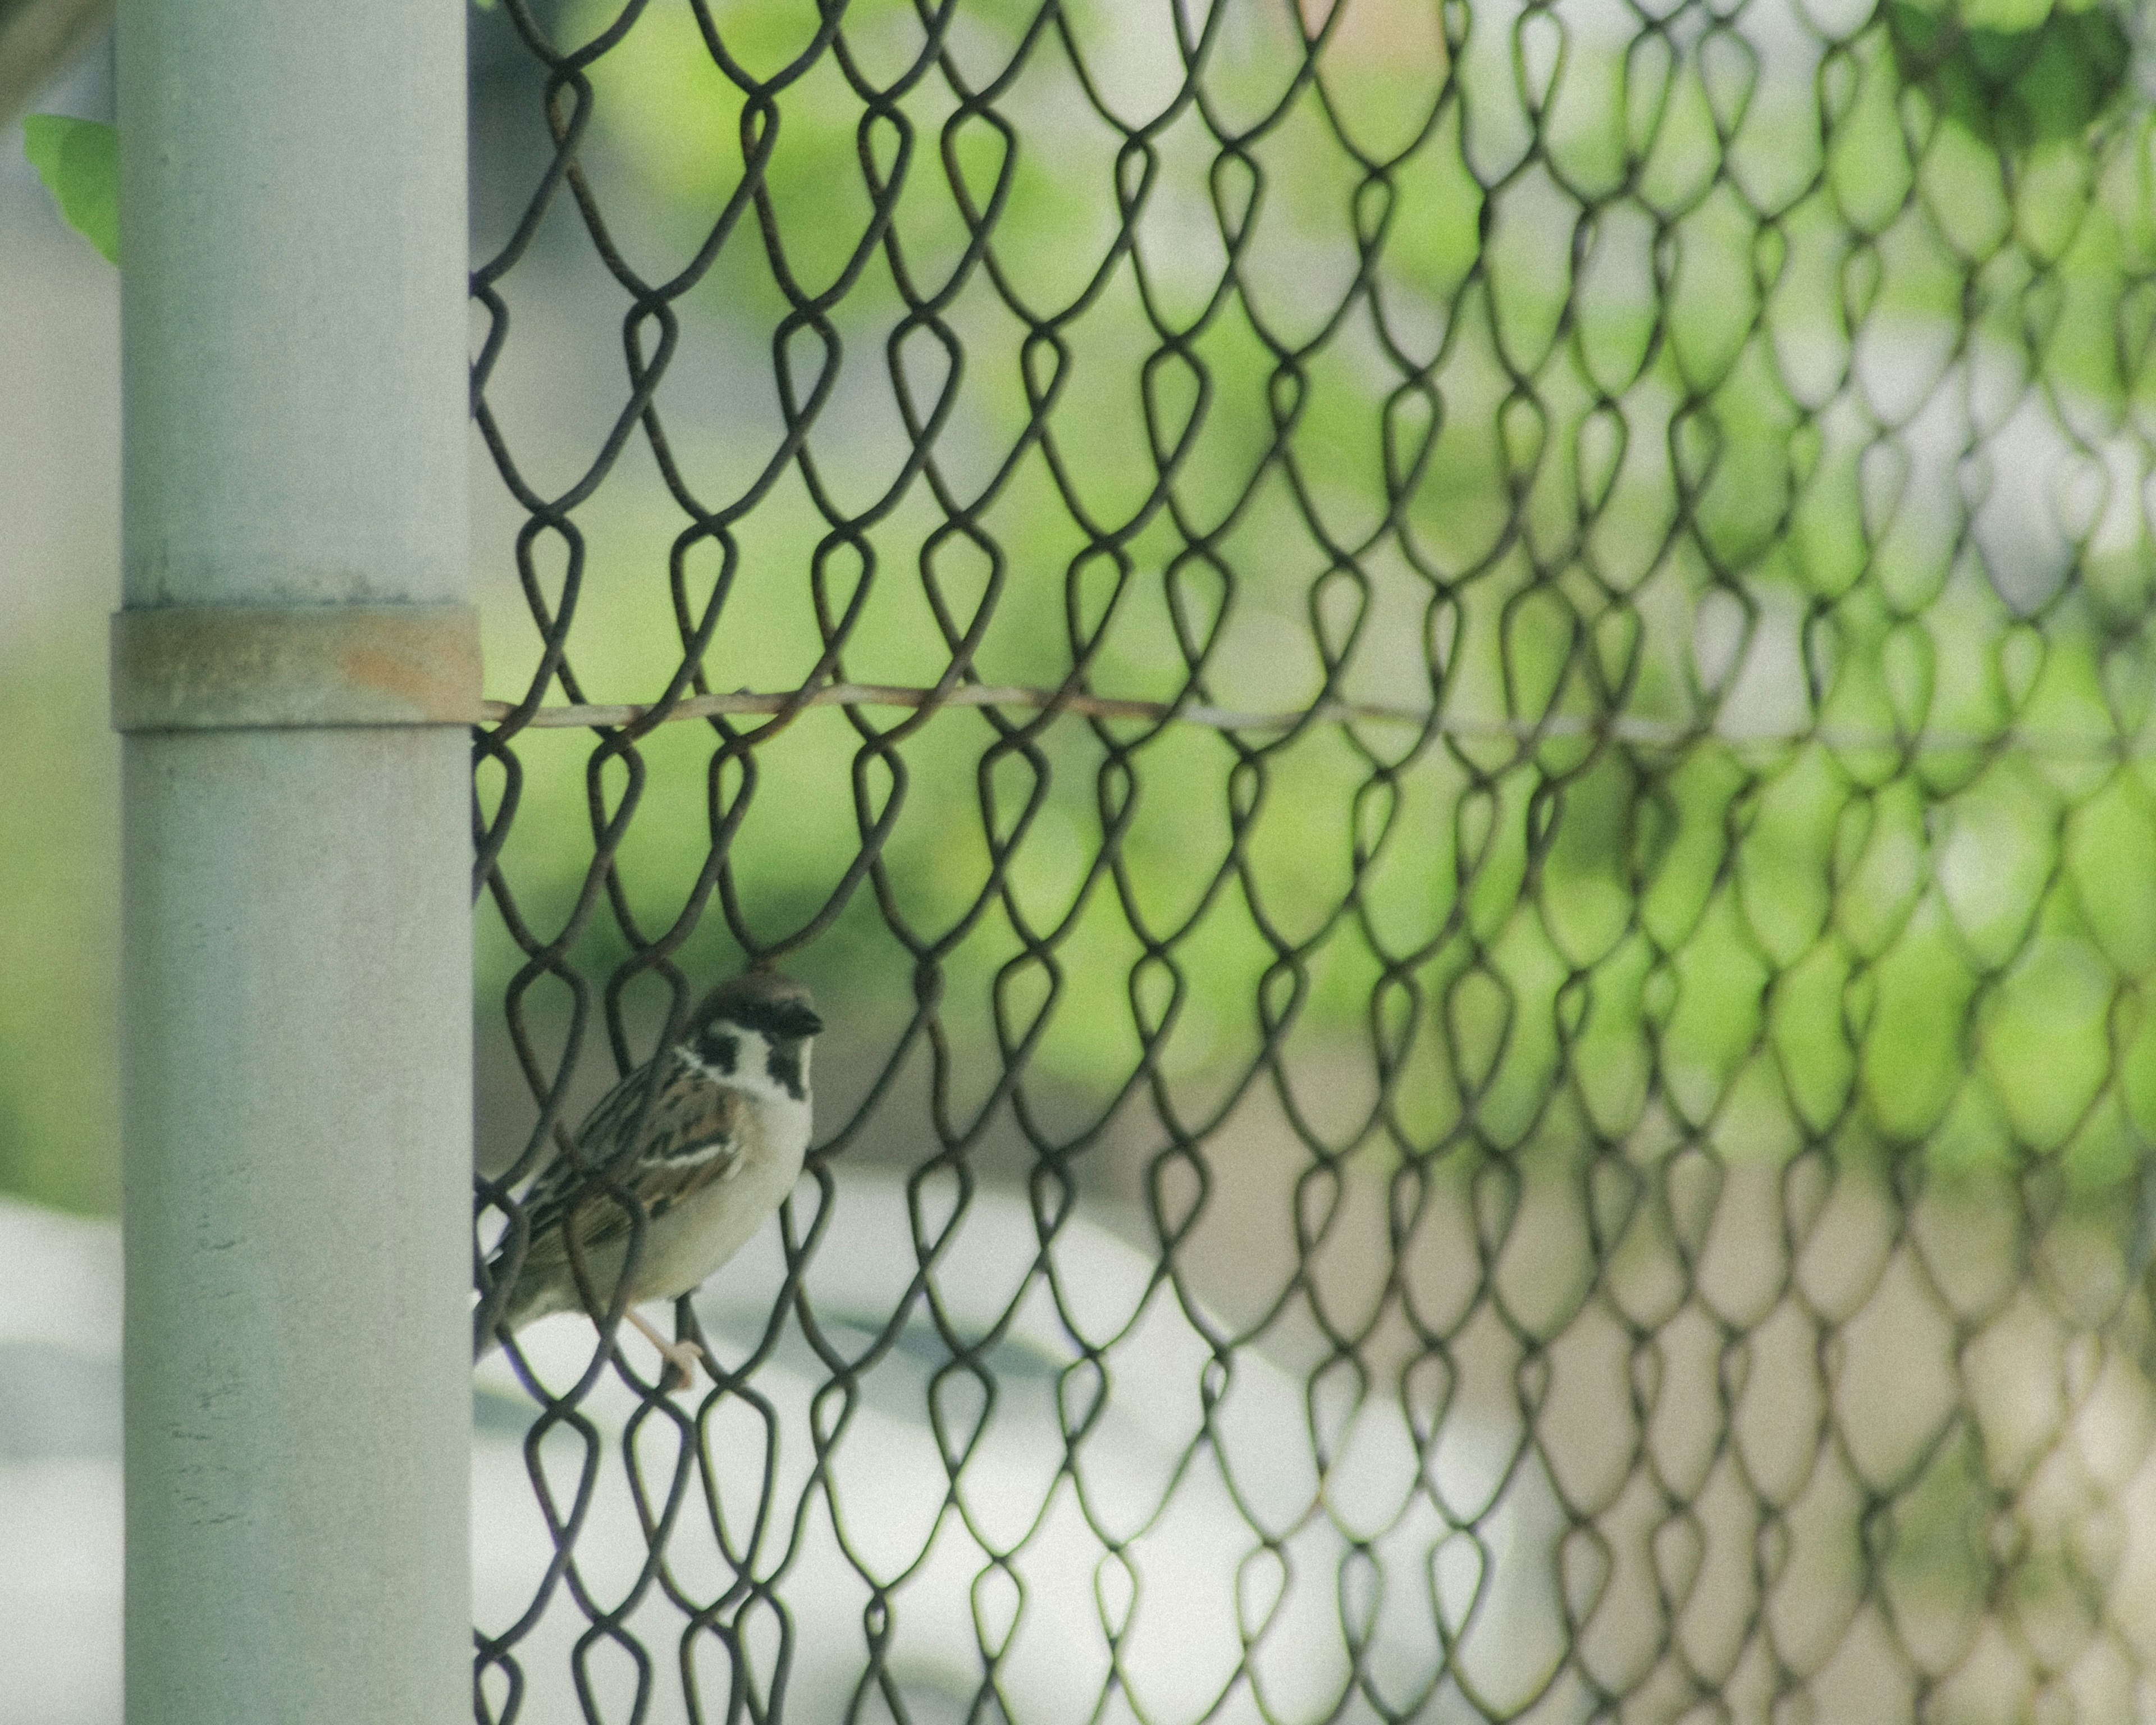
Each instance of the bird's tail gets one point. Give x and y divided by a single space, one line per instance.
489 1328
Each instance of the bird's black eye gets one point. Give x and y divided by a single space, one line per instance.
721 1050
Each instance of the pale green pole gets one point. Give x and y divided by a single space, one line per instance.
292 670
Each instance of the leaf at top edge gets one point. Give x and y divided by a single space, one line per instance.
79 161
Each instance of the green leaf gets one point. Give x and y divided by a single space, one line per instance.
79 161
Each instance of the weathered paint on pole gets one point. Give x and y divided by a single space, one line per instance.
297 984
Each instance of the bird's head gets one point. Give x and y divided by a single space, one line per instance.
754 1029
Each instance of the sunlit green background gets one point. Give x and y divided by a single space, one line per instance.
1736 441
1761 386
59 767
1775 387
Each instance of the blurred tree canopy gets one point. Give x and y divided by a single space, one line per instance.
1730 430
59 872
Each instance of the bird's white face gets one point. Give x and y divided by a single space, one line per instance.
772 1070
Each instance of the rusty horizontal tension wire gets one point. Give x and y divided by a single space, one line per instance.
1617 727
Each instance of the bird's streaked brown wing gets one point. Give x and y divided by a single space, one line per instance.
688 1136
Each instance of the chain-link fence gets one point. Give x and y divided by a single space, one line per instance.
1449 701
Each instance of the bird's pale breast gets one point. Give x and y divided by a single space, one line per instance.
701 1232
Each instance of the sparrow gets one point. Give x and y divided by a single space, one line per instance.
707 1136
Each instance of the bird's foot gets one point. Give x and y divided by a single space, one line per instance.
682 1359
682 1356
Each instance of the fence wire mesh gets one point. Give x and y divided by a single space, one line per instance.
1450 703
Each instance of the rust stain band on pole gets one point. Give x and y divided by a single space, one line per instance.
225 667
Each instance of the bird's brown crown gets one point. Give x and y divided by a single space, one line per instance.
760 1000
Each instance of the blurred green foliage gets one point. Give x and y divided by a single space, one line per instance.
2010 72
59 938
1702 385
1700 369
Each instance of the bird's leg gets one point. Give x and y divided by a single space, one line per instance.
681 1357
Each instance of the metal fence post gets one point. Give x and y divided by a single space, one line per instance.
291 669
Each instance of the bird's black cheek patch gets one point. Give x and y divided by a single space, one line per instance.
785 1069
722 1052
